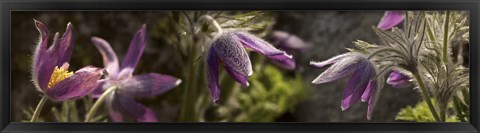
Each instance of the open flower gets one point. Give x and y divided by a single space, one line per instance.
50 67
398 80
229 48
362 84
127 87
390 19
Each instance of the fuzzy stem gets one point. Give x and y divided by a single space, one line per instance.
212 22
445 36
187 113
386 50
39 108
99 102
426 96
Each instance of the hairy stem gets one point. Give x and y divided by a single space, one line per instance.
39 108
386 50
426 96
99 102
213 22
445 36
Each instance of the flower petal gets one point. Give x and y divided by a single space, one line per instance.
286 64
331 60
356 87
135 50
148 85
66 45
398 80
78 85
121 104
341 68
288 41
110 59
43 66
262 47
212 75
242 79
229 49
98 91
367 94
390 19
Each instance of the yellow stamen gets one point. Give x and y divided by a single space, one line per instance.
58 75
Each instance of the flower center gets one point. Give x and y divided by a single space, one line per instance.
59 74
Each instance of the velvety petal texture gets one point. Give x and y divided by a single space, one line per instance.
81 83
229 49
128 86
398 80
260 46
390 19
148 85
362 84
45 60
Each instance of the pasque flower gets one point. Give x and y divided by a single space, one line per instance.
362 84
229 48
127 87
398 80
390 19
50 67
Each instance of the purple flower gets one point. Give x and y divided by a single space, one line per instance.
398 80
390 19
121 102
229 48
50 67
361 85
288 41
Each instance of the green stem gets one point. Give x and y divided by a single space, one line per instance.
188 93
445 37
99 102
386 50
426 96
39 108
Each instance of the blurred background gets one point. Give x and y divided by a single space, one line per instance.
330 32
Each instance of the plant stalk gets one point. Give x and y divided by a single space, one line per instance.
99 102
39 108
426 96
445 37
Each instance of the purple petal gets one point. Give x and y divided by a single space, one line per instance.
67 43
42 64
341 68
286 64
390 19
398 80
229 49
355 88
148 85
289 41
212 75
367 94
331 60
358 84
265 48
78 85
98 91
121 104
110 59
242 79
135 50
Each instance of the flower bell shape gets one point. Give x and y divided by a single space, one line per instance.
229 48
390 19
398 80
50 67
362 84
285 40
121 103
